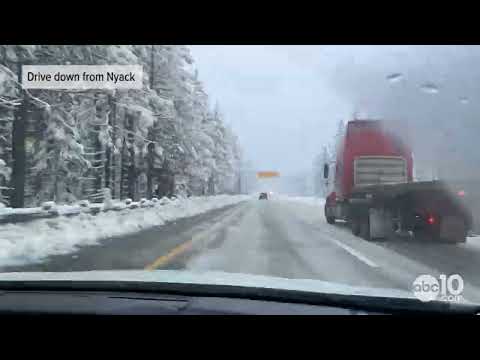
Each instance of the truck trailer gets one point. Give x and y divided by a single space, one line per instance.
374 190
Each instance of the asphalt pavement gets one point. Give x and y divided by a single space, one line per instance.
275 237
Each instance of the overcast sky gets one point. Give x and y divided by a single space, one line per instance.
284 101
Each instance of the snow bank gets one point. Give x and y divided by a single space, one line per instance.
35 240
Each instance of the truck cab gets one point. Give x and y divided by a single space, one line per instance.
369 153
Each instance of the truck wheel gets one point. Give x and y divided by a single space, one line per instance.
380 224
330 219
355 227
365 230
361 228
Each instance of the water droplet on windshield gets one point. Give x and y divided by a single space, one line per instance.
395 77
430 88
464 100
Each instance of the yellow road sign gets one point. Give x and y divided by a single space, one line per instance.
267 174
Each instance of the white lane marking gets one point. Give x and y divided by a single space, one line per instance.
353 252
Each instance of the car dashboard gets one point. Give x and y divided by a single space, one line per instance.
106 303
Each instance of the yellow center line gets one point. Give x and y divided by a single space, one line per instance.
172 254
182 248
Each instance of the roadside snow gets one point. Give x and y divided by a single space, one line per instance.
35 240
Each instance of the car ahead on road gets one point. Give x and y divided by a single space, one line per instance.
263 196
173 292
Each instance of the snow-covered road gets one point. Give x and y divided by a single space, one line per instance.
290 238
281 237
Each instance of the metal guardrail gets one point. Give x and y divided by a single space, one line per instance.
15 218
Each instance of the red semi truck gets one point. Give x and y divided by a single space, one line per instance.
375 193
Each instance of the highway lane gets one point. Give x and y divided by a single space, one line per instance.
279 238
293 240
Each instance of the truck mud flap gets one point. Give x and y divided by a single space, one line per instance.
381 224
453 229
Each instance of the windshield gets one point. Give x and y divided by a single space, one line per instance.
357 166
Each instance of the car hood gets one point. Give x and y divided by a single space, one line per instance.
207 278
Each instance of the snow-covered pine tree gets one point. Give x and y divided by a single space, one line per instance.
21 107
74 140
223 156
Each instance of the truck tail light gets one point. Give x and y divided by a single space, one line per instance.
431 220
